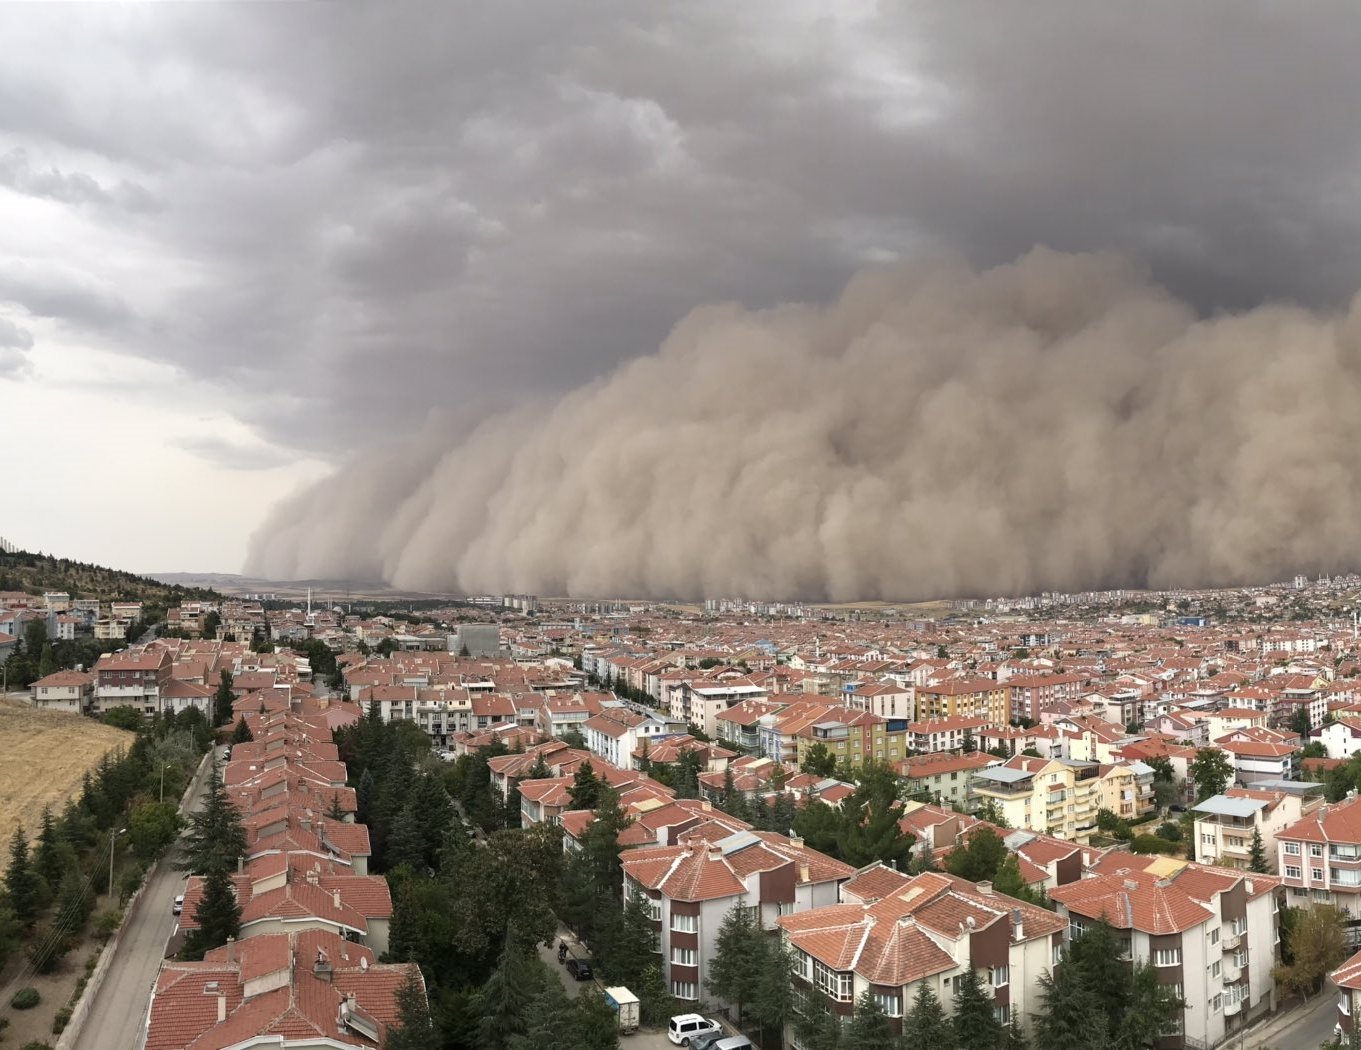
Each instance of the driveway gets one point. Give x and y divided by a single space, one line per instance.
117 1016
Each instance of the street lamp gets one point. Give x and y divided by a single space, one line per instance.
113 837
164 767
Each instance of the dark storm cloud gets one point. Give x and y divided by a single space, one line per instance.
377 215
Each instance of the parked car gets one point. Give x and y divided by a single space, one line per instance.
580 969
686 1027
708 1040
178 906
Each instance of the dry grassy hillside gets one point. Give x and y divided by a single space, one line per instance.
42 756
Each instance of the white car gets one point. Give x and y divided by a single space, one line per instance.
179 905
684 1027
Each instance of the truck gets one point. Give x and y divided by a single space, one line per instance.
625 1004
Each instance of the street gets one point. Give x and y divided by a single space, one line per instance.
1296 1030
118 1014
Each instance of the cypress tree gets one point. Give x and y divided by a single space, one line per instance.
218 915
25 890
975 1025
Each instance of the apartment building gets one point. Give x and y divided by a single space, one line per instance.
887 699
702 701
943 777
1225 823
1029 696
963 697
1211 933
133 678
891 933
1319 856
692 885
1347 979
1341 738
1054 796
946 734
69 691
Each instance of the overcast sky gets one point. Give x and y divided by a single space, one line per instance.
243 242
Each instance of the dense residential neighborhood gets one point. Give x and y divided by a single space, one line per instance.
891 805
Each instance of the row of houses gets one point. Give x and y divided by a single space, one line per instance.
304 973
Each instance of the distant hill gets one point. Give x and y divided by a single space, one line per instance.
35 573
322 590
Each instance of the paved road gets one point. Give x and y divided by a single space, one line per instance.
117 1017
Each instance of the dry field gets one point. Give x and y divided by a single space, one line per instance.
42 755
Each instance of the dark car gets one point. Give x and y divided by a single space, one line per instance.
580 969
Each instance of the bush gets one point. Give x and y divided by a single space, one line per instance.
62 1019
1170 831
1151 844
26 999
36 1045
106 925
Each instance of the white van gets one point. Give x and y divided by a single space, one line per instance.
684 1027
736 1042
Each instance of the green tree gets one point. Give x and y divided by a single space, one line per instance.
975 1025
414 1029
1257 862
819 760
819 1029
591 1023
980 859
215 838
586 787
735 970
1316 942
1211 772
242 734
218 915
506 997
223 699
123 717
211 622
22 882
1300 723
1150 1009
1097 957
970 745
869 1028
1070 1016
47 662
871 831
152 827
925 1025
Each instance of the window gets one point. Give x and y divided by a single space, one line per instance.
685 923
890 1002
1167 957
1216 1004
1058 955
1292 871
1292 849
690 957
1315 849
1240 958
1214 935
1316 874
1207 837
1214 969
999 976
1002 1013
803 966
685 989
835 984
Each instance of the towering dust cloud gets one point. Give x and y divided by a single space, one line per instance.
1054 424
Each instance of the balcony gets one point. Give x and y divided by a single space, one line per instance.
1231 941
1232 1006
1231 971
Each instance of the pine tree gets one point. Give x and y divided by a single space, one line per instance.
405 844
736 965
22 882
975 1025
215 838
48 859
869 1028
414 1029
335 811
1257 862
242 734
1152 1007
1096 956
1071 1017
585 789
925 1026
218 915
223 700
505 998
1015 1034
591 1024
818 1028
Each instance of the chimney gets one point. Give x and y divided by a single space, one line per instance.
221 1008
1017 925
796 841
335 898
322 968
231 949
240 865
985 887
803 873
